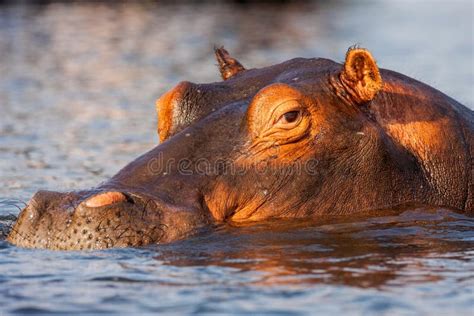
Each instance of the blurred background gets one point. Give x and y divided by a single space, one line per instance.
78 83
78 80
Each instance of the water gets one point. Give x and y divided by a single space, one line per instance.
77 88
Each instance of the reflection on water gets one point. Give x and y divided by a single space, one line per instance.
77 88
355 253
421 261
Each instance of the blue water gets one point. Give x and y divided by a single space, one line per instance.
77 88
419 262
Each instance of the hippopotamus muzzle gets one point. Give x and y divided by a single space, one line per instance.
101 219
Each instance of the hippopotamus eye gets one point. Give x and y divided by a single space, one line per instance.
279 113
290 117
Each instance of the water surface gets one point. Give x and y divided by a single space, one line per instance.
77 88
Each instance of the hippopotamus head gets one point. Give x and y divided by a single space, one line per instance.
304 138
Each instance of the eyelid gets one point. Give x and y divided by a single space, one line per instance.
288 125
279 110
283 116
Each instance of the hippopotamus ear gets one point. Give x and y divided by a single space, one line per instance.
228 66
360 75
166 108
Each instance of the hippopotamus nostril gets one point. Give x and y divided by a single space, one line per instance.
26 231
41 201
105 199
31 212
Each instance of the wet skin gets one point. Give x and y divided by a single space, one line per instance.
302 139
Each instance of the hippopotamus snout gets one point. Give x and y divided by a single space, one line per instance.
98 220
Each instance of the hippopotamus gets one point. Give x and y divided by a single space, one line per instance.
303 139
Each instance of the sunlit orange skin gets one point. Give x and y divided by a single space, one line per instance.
105 199
165 105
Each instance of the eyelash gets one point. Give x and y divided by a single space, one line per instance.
290 117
